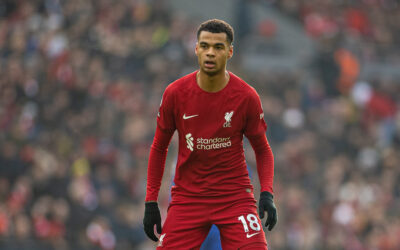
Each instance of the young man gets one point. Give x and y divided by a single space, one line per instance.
211 109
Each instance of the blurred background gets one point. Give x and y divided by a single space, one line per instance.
80 86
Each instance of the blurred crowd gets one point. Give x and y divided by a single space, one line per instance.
336 133
80 86
369 27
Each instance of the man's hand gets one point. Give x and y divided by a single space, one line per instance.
151 217
266 203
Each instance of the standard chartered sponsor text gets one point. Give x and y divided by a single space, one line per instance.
213 143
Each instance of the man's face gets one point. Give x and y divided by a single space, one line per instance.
213 50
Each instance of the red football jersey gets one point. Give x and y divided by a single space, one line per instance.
211 160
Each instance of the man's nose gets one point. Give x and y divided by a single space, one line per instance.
210 52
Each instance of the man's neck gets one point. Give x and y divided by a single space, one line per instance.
212 83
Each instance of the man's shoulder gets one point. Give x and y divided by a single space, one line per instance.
242 85
181 83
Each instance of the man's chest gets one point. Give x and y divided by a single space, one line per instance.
208 117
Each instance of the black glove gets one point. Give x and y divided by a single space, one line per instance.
267 204
151 217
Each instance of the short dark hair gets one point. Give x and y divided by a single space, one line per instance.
216 26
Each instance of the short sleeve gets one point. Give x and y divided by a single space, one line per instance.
255 124
165 117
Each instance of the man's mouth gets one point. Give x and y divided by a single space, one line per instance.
209 64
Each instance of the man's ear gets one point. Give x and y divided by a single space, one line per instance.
195 48
230 51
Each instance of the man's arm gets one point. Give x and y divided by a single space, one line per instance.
156 165
265 169
265 161
155 171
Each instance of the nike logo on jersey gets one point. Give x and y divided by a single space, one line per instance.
161 240
188 117
251 235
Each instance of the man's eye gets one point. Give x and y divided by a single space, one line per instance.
203 46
